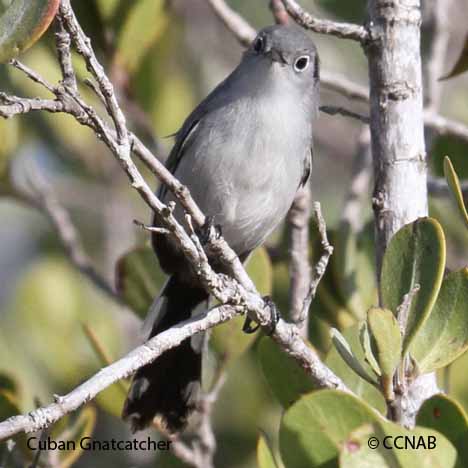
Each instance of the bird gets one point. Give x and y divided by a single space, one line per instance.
243 153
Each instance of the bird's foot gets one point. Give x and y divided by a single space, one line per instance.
274 318
209 230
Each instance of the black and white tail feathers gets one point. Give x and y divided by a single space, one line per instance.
169 386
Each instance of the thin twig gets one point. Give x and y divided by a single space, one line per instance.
158 230
361 175
437 187
279 12
332 110
344 86
333 28
123 368
321 265
244 33
236 295
46 202
32 75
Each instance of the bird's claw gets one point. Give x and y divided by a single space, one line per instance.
209 230
274 318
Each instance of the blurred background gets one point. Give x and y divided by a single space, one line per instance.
164 57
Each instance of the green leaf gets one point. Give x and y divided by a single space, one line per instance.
313 429
328 303
139 278
9 405
356 452
260 270
113 397
8 383
387 338
344 350
359 386
446 416
53 290
328 424
454 184
145 23
353 264
228 339
287 380
265 458
415 255
22 24
364 339
461 66
444 336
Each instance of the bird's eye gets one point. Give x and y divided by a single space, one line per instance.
258 44
302 63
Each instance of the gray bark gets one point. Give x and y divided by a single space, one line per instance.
397 124
399 154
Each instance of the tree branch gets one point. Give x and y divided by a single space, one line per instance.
244 33
48 203
299 267
121 369
237 294
400 194
321 266
279 12
333 28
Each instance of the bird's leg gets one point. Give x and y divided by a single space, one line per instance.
274 318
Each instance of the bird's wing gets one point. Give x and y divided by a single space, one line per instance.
188 132
307 167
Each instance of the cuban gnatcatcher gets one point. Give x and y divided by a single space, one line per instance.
243 153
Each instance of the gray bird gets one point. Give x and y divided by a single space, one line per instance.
243 153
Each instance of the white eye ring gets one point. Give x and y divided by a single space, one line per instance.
302 63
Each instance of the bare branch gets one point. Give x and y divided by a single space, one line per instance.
445 126
157 230
244 33
63 44
360 182
343 85
434 121
333 28
332 110
437 28
123 368
279 12
299 267
236 295
32 75
46 202
321 266
438 187
83 45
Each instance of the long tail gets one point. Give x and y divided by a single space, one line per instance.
168 387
